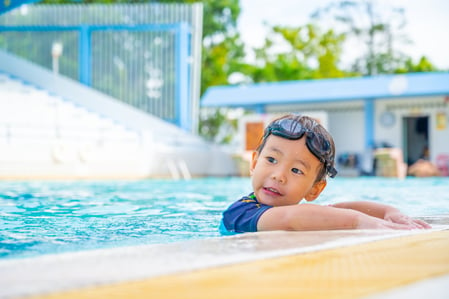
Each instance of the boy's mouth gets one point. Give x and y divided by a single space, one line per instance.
272 191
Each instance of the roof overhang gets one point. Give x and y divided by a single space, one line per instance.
328 90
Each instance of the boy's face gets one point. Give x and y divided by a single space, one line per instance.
285 172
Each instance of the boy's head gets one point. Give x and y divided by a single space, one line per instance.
318 140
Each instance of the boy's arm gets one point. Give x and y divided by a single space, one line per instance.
316 217
370 208
382 211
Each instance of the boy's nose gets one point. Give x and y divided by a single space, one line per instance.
278 176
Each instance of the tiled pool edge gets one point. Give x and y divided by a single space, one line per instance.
343 272
56 273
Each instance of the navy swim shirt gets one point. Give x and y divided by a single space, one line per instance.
242 216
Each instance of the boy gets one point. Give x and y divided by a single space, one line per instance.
291 163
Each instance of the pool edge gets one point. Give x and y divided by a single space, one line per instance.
109 268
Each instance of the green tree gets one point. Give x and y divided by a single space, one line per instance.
377 31
306 53
423 65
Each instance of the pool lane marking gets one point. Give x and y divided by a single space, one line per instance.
345 272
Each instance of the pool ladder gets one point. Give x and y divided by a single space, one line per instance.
179 169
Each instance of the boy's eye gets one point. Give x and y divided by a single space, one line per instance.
296 170
271 160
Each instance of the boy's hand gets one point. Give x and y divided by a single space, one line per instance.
370 222
399 218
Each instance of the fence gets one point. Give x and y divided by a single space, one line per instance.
147 55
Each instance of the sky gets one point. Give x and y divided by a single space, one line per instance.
427 23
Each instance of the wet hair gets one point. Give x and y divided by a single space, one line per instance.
309 124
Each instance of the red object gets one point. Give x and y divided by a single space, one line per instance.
443 164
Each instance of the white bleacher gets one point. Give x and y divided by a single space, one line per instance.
58 138
65 129
26 108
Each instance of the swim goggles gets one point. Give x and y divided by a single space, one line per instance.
316 143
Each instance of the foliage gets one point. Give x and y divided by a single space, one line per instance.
423 65
220 60
217 126
307 54
374 30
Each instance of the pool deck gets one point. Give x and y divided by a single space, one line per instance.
369 264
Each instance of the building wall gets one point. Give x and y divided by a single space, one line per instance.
436 108
347 129
345 120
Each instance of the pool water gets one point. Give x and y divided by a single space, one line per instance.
50 217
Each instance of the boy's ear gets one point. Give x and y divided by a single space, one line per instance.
315 191
253 163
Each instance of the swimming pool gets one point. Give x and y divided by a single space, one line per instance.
38 218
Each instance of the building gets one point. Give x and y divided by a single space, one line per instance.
409 112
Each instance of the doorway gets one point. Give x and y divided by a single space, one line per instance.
416 138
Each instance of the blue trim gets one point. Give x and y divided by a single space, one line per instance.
369 117
224 231
183 108
260 109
